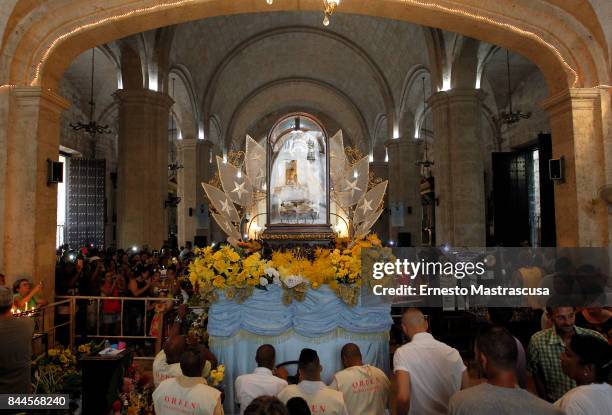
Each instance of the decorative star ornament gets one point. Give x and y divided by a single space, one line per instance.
367 205
352 186
239 188
225 206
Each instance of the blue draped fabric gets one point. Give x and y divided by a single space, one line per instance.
321 322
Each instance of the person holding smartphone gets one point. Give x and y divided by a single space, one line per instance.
27 297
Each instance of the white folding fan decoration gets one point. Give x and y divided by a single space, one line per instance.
349 189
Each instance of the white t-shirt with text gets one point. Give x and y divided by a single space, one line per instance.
320 398
365 389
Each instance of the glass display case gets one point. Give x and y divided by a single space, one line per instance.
298 176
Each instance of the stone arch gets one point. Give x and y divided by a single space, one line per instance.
567 56
377 74
328 92
412 94
184 100
379 136
465 64
215 133
132 75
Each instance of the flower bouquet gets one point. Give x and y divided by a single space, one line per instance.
56 372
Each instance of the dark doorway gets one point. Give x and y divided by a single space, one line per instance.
523 196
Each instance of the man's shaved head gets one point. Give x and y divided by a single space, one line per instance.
174 347
413 322
265 356
351 355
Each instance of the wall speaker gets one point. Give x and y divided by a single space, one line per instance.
556 169
55 172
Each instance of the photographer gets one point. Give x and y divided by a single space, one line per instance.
138 286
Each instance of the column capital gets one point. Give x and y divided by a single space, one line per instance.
375 164
143 96
576 98
455 95
186 144
33 94
401 142
465 94
205 144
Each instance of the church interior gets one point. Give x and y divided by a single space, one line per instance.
222 170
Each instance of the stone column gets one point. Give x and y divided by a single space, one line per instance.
142 173
193 219
203 174
186 181
577 136
29 203
381 227
404 180
459 168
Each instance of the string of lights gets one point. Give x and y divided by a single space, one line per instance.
418 3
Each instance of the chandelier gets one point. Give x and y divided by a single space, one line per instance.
510 116
91 127
426 163
329 7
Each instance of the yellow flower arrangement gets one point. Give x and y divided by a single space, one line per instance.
226 270
237 272
217 375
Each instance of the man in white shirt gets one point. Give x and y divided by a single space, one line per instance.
262 381
166 364
427 372
365 388
188 394
320 398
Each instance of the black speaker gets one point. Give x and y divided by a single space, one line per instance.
55 172
404 239
556 169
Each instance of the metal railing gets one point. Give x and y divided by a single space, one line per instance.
45 322
97 300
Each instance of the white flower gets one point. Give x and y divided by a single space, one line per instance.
263 281
271 272
276 280
293 280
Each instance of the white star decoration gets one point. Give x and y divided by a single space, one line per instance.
225 206
367 205
352 186
239 188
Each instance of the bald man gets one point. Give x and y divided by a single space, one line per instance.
167 362
427 372
365 388
262 381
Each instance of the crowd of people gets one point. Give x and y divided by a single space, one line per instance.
566 370
121 274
